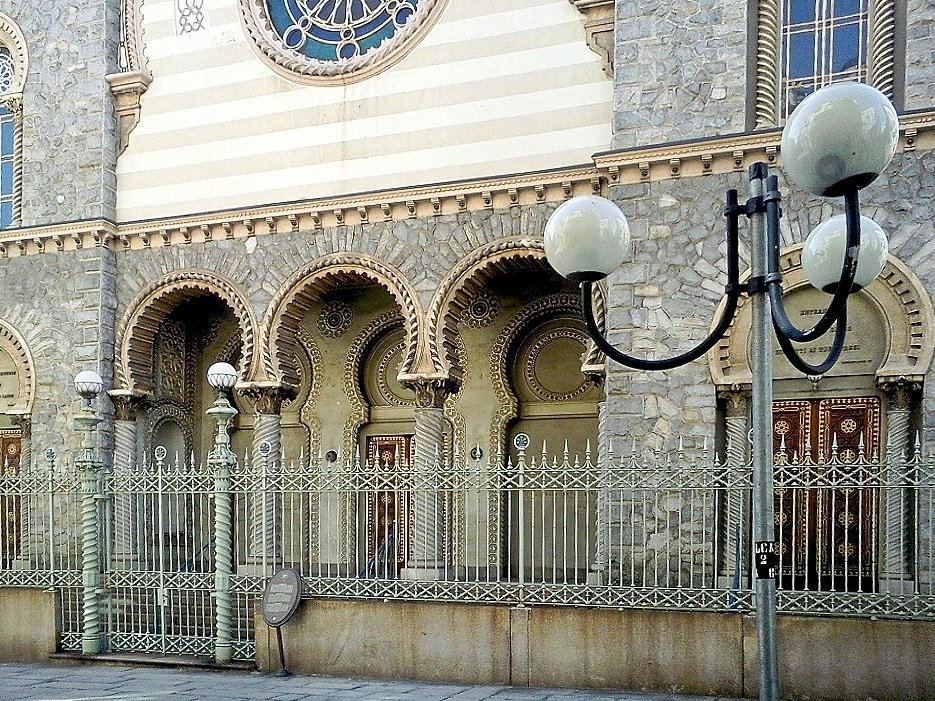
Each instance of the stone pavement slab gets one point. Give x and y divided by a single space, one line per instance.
102 682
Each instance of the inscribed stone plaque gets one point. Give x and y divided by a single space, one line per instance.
9 382
281 598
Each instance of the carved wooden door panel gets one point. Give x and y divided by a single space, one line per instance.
10 445
826 527
389 505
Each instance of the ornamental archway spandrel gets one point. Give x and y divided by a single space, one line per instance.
281 324
467 277
898 297
141 322
18 378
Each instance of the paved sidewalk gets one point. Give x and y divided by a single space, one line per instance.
87 682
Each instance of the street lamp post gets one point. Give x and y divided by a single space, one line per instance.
836 142
222 377
88 384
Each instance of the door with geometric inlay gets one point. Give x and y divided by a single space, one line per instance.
10 446
826 522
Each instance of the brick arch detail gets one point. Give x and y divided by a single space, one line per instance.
138 328
281 323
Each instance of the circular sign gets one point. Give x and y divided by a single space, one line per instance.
265 448
160 452
49 454
281 598
521 441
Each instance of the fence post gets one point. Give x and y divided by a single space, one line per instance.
222 460
88 385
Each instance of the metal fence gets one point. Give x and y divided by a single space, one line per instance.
856 532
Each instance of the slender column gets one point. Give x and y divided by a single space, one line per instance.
126 457
896 547
426 558
89 468
761 367
264 547
222 460
737 404
31 536
598 573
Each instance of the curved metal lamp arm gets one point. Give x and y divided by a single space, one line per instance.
732 289
781 322
836 347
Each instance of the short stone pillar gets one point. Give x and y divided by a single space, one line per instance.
426 559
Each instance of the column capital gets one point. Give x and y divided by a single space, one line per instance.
899 391
127 403
736 398
267 398
431 392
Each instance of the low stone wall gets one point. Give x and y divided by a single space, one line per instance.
698 653
28 630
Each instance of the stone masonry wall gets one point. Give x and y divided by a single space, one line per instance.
680 70
920 58
68 135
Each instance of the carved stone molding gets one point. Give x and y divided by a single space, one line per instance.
127 89
310 282
132 56
15 346
13 39
127 404
296 66
140 324
900 392
599 25
267 398
431 392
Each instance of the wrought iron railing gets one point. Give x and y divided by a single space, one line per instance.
663 531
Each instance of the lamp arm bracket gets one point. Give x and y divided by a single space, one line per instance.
781 321
587 310
833 355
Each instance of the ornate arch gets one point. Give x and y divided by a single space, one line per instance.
15 346
12 38
402 24
897 293
309 283
552 306
138 328
353 390
470 276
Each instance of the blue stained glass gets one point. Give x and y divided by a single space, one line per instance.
336 30
801 11
6 135
846 49
801 55
842 8
6 214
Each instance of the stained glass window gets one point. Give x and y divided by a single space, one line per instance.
334 31
7 126
823 41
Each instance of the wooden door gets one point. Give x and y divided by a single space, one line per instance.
389 504
826 526
10 445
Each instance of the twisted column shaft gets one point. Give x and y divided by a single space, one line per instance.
90 524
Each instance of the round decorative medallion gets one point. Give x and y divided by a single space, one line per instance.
481 310
848 426
547 355
782 427
335 319
391 391
336 40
